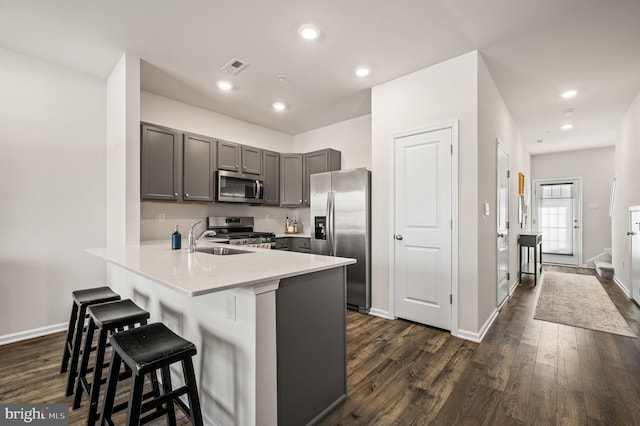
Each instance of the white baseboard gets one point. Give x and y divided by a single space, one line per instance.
622 287
513 287
30 334
379 313
477 337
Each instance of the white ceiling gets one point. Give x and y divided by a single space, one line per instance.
534 50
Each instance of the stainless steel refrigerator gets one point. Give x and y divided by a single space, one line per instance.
341 215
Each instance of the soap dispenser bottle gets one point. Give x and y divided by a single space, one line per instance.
176 240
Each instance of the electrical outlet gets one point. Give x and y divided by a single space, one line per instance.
162 217
231 307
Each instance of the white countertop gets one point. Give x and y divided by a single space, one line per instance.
197 273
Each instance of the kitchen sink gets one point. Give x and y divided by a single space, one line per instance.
220 251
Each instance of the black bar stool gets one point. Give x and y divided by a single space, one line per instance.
108 318
147 349
81 300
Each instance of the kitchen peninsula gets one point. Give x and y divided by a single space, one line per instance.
270 326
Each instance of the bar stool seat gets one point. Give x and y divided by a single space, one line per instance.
146 349
108 318
82 299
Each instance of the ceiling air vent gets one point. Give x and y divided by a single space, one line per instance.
234 66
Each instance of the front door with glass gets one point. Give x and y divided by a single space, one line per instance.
558 217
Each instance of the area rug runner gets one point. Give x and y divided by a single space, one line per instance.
579 301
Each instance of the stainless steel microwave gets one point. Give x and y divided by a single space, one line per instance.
233 187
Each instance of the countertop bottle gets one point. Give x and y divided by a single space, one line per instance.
176 240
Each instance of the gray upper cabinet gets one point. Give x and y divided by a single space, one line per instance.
295 172
291 179
239 158
326 160
228 156
199 154
160 163
251 160
271 169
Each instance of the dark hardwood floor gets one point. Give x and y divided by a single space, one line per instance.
399 373
525 371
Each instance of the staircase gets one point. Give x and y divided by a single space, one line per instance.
602 264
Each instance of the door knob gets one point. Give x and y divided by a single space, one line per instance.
398 237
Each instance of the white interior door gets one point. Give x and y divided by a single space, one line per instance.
558 216
423 228
634 233
502 217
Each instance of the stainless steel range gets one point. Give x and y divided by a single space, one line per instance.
239 231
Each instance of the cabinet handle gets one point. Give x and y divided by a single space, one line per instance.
631 233
299 201
399 237
175 194
186 195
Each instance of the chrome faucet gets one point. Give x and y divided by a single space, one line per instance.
193 240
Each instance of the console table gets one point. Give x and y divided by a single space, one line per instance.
530 241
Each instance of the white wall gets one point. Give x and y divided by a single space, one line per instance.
351 137
596 167
441 93
495 122
123 152
52 169
627 174
167 112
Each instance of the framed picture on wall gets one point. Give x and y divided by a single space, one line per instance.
520 184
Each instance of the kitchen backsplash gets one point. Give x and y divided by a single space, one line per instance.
158 220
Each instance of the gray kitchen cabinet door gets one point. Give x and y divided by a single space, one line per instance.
199 154
271 169
326 160
301 245
251 160
283 243
160 163
291 179
228 156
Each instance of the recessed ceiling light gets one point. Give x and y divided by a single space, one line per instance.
224 85
309 32
279 106
569 94
363 71
567 126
